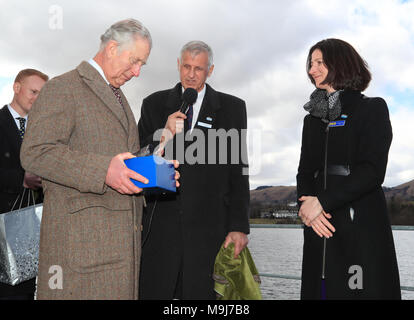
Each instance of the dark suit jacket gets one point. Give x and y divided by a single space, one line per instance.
189 227
11 171
11 183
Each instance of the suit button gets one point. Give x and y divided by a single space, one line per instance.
136 228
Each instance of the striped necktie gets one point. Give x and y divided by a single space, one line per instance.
22 128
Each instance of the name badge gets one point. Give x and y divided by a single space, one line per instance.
337 124
205 125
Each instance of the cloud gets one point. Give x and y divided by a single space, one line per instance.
401 158
6 91
373 30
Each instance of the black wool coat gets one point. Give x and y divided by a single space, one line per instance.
360 257
187 228
11 185
11 171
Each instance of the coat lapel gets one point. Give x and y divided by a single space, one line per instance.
10 129
207 114
208 111
98 85
350 100
173 101
133 138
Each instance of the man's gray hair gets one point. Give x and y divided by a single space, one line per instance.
196 47
125 32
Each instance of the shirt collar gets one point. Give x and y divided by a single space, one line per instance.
200 95
14 113
94 64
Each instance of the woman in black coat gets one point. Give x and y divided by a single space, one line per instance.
348 250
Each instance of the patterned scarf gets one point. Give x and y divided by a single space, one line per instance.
324 105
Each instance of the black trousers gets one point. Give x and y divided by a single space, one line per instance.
22 291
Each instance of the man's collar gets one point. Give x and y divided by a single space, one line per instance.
14 113
200 95
94 64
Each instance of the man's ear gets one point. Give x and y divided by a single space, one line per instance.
210 71
111 49
178 64
16 87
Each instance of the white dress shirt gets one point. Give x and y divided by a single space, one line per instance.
15 115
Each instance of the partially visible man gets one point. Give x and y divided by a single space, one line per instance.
184 231
80 131
14 181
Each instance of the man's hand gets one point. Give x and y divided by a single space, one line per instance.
239 239
174 125
177 174
175 122
118 175
32 181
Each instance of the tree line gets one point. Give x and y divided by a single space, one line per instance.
400 211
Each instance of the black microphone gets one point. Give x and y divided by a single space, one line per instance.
189 97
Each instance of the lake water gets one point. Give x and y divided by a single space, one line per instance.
279 251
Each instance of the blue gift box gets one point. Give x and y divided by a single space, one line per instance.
159 172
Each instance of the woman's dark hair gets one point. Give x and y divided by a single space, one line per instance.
346 68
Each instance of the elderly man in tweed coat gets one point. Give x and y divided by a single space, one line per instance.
80 130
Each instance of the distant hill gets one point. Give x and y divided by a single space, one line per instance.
273 195
263 187
404 191
283 194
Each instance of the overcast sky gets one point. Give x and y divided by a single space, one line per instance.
260 52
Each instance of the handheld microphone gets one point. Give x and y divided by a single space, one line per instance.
189 97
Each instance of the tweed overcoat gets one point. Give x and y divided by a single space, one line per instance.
187 228
90 234
360 257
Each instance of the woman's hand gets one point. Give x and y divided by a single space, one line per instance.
313 215
322 226
310 209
